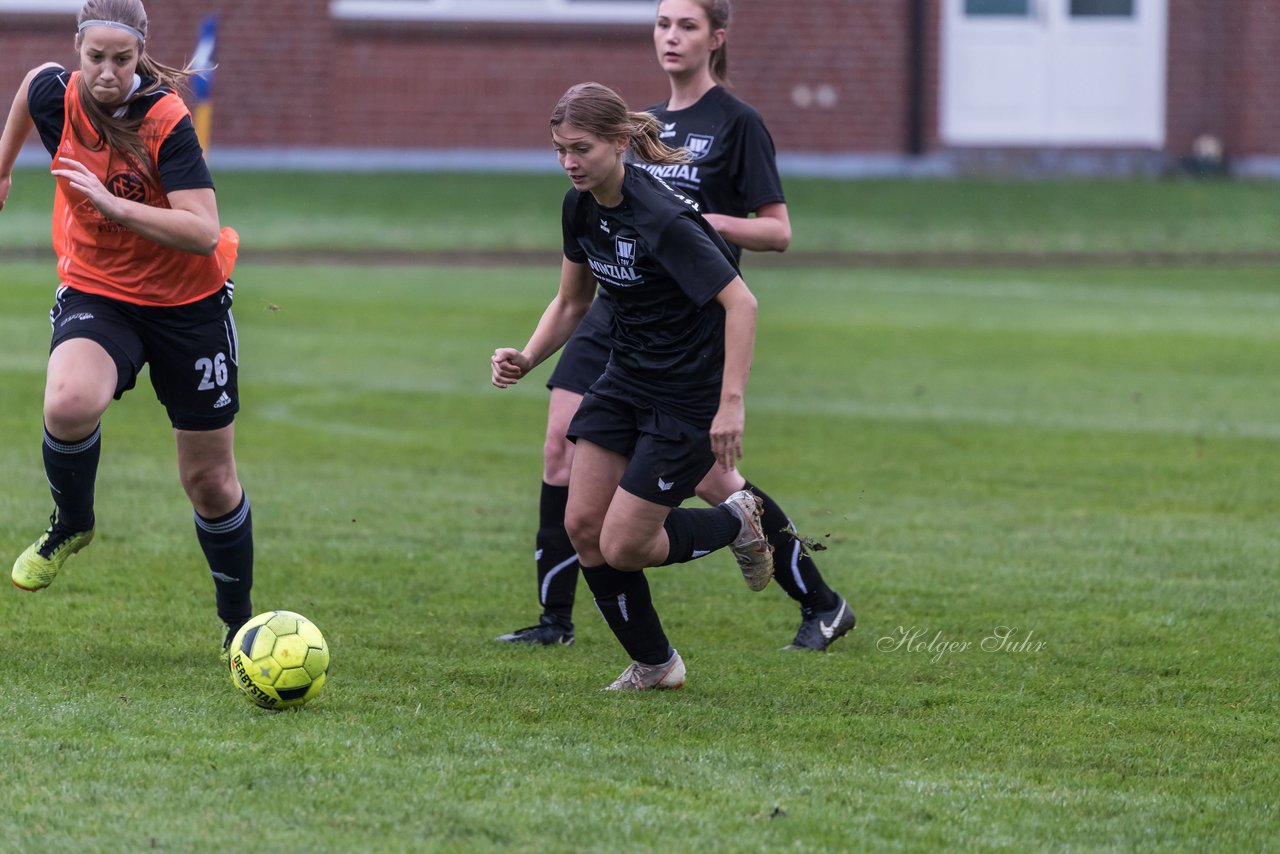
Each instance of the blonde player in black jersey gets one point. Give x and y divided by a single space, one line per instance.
670 403
733 177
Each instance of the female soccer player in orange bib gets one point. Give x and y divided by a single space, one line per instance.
144 270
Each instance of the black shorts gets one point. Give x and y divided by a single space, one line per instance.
192 349
584 357
667 457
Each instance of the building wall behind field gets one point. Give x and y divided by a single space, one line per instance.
1223 77
830 76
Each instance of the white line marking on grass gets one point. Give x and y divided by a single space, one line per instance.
280 413
1051 292
1007 418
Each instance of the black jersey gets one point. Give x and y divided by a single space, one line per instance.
735 170
182 165
663 265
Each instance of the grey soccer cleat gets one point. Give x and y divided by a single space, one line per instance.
648 677
751 549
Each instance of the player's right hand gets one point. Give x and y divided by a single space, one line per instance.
508 365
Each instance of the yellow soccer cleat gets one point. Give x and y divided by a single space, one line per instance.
36 568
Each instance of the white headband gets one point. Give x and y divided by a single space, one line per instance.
115 25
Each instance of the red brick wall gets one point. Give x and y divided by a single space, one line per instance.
1253 81
1196 63
1223 75
290 75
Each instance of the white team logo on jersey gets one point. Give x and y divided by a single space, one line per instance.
604 226
625 248
699 144
668 131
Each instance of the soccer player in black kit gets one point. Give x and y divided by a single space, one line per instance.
670 403
734 179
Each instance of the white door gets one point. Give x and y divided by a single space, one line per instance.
1053 72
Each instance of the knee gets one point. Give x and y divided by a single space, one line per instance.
719 484
71 412
583 530
709 495
623 553
557 459
213 490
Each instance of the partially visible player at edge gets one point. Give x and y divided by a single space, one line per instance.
670 403
734 179
144 266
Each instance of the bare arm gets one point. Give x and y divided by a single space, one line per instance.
189 224
768 231
561 317
740 311
16 129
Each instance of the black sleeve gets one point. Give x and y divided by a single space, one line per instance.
692 258
757 170
182 165
46 101
572 249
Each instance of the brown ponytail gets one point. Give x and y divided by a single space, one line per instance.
120 134
646 144
597 109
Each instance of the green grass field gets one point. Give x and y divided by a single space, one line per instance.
439 212
1079 461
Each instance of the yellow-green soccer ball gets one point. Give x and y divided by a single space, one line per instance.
279 660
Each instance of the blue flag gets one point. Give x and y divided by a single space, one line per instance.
203 63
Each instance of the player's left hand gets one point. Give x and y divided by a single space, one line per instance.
507 366
726 435
87 183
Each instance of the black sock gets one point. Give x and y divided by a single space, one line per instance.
694 532
72 470
624 601
228 546
556 558
793 567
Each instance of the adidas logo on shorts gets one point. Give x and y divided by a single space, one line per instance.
222 401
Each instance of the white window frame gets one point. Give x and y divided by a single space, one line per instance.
39 7
551 11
